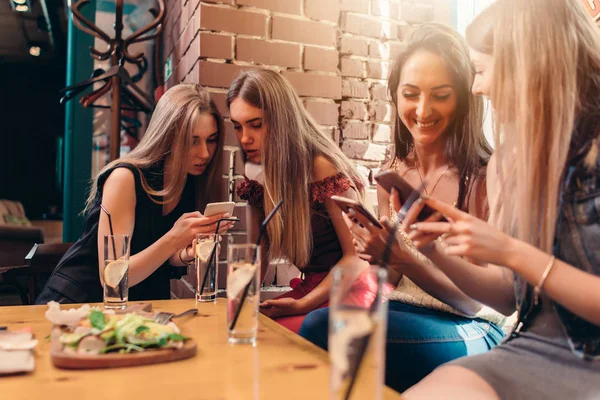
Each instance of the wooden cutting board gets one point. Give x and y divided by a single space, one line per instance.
60 359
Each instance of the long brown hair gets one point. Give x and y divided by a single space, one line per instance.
546 75
466 147
169 136
292 142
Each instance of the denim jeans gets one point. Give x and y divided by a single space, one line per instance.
418 340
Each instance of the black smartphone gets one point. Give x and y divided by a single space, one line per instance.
346 204
391 179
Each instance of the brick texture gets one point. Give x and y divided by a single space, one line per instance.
309 32
285 6
337 54
314 85
318 59
268 53
234 21
328 10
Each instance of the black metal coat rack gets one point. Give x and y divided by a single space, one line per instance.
125 93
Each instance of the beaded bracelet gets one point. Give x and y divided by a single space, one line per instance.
181 258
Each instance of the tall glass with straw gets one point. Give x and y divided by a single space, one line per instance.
115 271
243 288
206 261
357 332
358 323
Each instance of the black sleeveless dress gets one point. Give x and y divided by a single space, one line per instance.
76 278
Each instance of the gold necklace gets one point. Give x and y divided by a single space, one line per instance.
436 183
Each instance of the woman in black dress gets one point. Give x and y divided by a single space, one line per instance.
152 194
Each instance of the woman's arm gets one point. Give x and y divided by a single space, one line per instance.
576 290
118 197
491 285
383 203
372 241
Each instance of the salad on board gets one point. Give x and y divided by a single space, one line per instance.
91 331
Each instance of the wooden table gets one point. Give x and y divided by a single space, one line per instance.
281 366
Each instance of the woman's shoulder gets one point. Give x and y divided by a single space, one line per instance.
329 181
323 168
119 175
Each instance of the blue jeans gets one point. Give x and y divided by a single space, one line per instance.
418 340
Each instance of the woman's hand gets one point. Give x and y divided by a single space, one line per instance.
283 307
466 235
186 228
370 241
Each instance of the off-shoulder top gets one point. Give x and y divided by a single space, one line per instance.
327 250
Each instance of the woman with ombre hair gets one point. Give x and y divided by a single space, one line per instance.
303 167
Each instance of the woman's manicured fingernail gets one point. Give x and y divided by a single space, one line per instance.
424 197
413 226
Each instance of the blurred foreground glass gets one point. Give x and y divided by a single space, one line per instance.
357 332
243 292
115 274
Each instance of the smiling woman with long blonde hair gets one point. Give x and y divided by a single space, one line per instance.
303 167
541 250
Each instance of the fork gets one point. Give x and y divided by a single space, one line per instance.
163 318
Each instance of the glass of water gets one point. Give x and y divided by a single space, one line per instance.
243 293
357 332
115 272
207 266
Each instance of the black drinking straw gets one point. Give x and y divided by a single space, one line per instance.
364 343
112 237
213 254
263 229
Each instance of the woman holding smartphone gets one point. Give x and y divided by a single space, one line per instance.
541 249
440 147
302 166
151 194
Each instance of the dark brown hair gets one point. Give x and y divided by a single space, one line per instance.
466 148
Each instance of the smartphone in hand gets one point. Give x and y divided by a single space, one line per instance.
219 208
391 179
346 204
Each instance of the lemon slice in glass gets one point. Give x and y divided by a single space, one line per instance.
238 279
115 271
203 250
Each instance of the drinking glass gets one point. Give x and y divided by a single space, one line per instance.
206 262
115 273
243 293
357 332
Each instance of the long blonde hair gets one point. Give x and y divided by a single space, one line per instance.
466 147
169 136
546 57
292 142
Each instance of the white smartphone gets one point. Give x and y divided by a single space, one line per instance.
219 208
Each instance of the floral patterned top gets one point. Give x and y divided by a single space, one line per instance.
327 250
